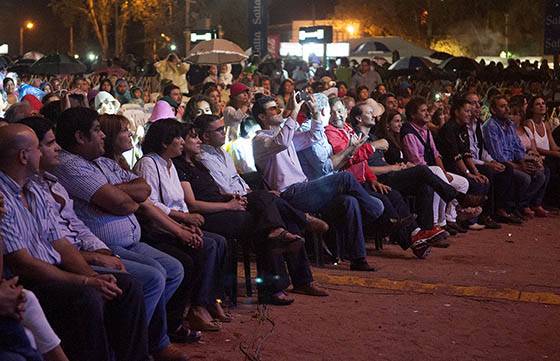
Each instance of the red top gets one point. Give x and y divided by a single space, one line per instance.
358 164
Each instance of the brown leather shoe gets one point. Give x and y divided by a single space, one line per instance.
170 353
310 290
316 225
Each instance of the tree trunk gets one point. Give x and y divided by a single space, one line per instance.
100 30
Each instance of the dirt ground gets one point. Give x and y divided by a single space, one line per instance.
492 295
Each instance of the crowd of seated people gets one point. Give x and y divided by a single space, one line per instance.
107 258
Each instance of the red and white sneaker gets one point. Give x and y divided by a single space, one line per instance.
421 249
428 235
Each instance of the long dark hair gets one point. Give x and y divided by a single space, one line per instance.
382 129
530 106
108 81
281 89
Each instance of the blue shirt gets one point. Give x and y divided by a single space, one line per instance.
82 178
501 140
316 160
34 228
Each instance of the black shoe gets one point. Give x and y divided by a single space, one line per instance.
456 227
517 213
361 265
490 223
509 219
450 230
185 335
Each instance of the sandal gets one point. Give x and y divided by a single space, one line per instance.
219 315
198 323
185 335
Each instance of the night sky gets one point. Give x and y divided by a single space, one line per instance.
49 35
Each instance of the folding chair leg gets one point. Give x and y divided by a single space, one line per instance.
378 242
232 259
247 268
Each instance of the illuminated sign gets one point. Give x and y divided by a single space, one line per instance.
316 34
203 35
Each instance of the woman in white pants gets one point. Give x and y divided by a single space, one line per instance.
445 214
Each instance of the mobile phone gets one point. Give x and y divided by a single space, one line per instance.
302 96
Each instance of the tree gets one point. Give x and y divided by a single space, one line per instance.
476 25
98 14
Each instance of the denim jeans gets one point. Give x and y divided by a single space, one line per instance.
160 275
530 188
345 204
314 196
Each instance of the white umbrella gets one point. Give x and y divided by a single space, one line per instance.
216 52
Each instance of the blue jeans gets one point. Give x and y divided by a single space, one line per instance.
344 202
160 275
530 188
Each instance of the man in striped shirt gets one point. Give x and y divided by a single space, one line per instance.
105 198
95 252
99 311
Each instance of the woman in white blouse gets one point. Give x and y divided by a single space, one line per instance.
162 143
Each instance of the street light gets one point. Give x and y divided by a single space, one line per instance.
29 25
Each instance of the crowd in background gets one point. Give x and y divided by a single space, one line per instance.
124 197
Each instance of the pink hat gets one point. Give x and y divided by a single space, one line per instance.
238 88
162 110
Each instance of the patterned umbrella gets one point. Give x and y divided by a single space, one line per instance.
216 52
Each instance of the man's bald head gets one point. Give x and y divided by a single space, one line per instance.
13 139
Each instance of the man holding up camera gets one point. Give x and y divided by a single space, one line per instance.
275 150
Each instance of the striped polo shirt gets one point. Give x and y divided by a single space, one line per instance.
33 229
82 178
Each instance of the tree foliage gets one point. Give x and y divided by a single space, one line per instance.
105 16
478 25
